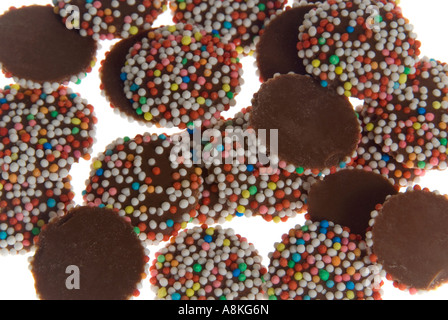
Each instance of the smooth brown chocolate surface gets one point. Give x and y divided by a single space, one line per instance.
276 52
102 245
317 129
37 46
110 72
348 197
410 239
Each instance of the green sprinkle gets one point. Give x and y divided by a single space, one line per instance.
300 170
230 95
378 18
242 266
54 113
35 231
262 6
253 190
273 297
324 275
334 59
222 298
322 41
29 117
197 267
443 141
242 277
142 100
291 264
75 130
126 139
139 111
136 230
421 164
161 258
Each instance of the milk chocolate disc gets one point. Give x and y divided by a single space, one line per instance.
317 129
88 254
111 84
410 239
276 51
348 197
37 49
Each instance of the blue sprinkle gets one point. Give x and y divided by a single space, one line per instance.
51 203
186 79
214 31
208 238
84 192
220 147
135 186
239 214
134 87
3 100
176 296
324 224
350 285
123 76
296 257
307 297
3 235
323 230
396 85
350 29
330 283
336 240
250 167
73 95
102 205
421 111
169 223
324 83
43 96
109 152
342 165
227 25
300 241
385 158
236 272
162 137
99 172
47 146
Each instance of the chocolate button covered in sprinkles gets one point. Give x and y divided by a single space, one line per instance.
38 51
359 48
322 261
146 180
88 254
179 74
109 19
208 263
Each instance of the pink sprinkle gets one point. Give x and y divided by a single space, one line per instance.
208 288
215 270
310 259
402 144
282 164
383 95
385 171
110 36
29 206
113 191
275 279
67 149
97 4
183 86
326 259
306 236
127 19
201 81
32 123
165 62
345 277
337 278
118 163
18 126
263 209
351 246
97 201
153 51
19 216
103 37
205 246
389 60
206 193
356 276
385 52
216 283
206 123
183 73
434 161
8 187
429 116
146 138
313 271
343 249
344 241
59 147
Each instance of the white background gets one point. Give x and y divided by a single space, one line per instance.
430 24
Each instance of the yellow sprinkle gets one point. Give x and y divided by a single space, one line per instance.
416 126
97 164
348 94
129 209
148 116
350 294
198 36
403 78
133 30
196 286
298 276
226 242
245 194
183 225
172 29
182 5
186 40
338 70
157 73
276 219
436 105
40 223
272 185
76 121
42 141
348 86
280 247
316 63
271 291
239 49
369 127
230 217
226 87
161 293
1 187
210 231
241 209
109 206
14 156
336 246
200 100
15 87
174 87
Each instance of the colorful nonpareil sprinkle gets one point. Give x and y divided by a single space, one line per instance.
238 21
179 74
359 48
147 180
109 19
208 263
411 123
321 260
